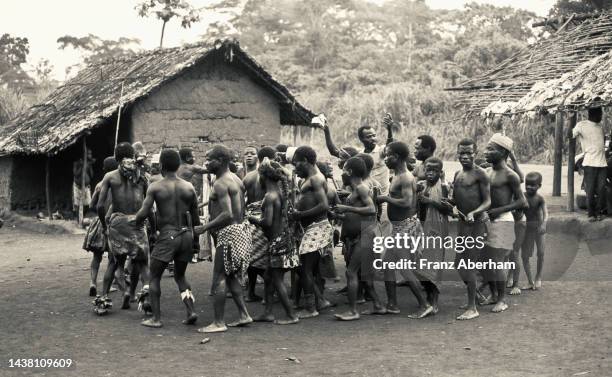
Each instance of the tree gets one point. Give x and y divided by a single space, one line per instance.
569 7
165 10
13 53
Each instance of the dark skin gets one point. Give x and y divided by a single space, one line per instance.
127 198
361 205
250 159
254 192
226 207
271 222
97 256
506 196
401 205
471 195
368 138
537 216
311 206
173 197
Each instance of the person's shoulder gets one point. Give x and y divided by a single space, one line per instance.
512 175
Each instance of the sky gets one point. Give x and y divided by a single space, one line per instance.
42 22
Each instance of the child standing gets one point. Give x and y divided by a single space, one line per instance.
537 215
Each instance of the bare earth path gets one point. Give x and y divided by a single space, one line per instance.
562 330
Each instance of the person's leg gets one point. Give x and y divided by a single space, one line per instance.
310 262
432 295
180 267
391 290
377 307
515 273
157 270
281 290
499 279
252 273
218 292
413 283
96 259
134 276
243 315
469 277
352 283
600 190
590 177
115 264
540 245
268 315
527 252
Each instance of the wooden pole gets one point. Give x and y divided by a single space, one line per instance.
83 172
48 185
558 156
119 115
571 155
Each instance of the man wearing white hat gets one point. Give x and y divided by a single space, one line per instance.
506 196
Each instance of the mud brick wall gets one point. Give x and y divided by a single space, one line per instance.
6 170
28 183
208 104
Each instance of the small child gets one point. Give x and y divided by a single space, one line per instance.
537 215
435 208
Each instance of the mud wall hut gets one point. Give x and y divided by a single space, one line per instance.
196 96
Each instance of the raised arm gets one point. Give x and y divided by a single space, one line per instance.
388 122
331 147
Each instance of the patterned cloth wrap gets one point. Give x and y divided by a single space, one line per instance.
319 237
126 238
412 227
95 239
283 253
79 195
435 225
235 241
260 255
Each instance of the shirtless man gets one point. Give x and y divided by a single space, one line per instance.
506 196
189 171
359 222
471 195
231 235
175 200
255 194
401 210
282 253
125 238
311 211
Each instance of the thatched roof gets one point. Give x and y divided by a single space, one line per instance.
548 59
91 98
589 85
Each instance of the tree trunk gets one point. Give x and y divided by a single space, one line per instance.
161 39
558 156
571 155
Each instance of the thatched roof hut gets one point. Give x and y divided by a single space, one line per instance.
548 59
195 96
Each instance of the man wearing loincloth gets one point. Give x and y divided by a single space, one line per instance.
254 196
282 253
311 211
177 206
358 231
471 196
401 210
232 238
506 196
125 237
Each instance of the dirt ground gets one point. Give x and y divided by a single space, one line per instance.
562 330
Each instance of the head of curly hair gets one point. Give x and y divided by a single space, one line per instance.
270 169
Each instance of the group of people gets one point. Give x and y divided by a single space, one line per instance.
284 212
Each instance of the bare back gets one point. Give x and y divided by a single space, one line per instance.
173 198
127 196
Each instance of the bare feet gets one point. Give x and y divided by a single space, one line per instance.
151 323
436 309
375 311
538 284
264 318
360 301
302 314
241 322
499 307
530 287
489 300
422 313
515 291
191 319
468 314
252 298
126 302
213 328
347 316
288 321
325 304
510 282
392 309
